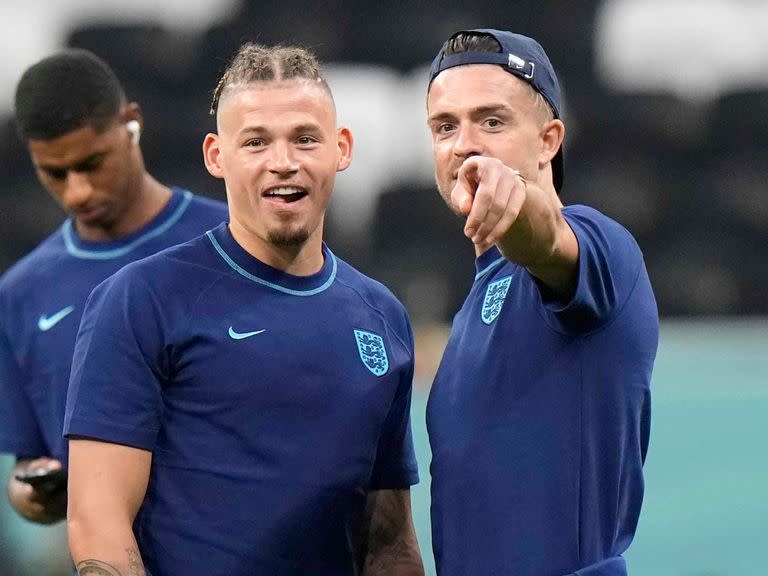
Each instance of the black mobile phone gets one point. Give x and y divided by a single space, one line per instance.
44 480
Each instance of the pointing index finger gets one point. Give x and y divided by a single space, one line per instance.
463 192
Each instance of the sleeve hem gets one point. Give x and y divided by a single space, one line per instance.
399 481
8 446
555 311
137 438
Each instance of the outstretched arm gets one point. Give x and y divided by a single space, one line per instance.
107 484
524 220
389 539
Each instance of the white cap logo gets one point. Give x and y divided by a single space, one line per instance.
519 64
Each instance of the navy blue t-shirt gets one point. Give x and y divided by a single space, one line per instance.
272 404
41 301
540 412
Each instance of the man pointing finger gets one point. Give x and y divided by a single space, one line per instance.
539 415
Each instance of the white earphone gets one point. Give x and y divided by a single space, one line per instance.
135 129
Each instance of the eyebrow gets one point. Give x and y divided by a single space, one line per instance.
298 129
474 112
76 166
308 127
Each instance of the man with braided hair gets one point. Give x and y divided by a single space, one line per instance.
239 405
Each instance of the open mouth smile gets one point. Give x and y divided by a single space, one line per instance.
285 194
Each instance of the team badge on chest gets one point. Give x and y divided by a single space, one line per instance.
372 352
494 299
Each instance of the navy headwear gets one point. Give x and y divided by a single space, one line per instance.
521 56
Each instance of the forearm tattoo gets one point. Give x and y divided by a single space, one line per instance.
96 568
135 565
99 568
391 547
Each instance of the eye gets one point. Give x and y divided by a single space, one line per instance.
89 167
444 128
254 143
305 140
493 123
56 173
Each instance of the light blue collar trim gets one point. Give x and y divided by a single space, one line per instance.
123 250
272 285
490 267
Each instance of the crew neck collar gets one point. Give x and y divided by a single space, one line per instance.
250 267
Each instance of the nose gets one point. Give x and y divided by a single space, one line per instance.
77 190
466 143
281 160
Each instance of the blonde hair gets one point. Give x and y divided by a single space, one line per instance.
259 63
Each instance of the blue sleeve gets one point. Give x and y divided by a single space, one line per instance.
610 263
119 365
19 431
395 466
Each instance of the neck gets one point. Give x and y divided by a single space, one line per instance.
303 259
147 203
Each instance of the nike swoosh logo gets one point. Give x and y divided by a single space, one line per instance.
240 335
45 323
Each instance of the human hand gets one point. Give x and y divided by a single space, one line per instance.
491 195
42 502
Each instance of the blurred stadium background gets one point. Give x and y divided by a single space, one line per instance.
667 115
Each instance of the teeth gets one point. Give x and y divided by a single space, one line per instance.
284 191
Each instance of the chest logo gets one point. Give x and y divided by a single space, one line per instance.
372 352
45 323
494 299
242 335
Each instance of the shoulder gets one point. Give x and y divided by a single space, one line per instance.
27 272
375 295
611 274
371 291
203 204
585 220
173 271
603 240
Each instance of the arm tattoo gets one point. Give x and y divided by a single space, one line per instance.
135 565
99 568
96 568
391 546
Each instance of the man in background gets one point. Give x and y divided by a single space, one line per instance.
83 138
539 414
255 417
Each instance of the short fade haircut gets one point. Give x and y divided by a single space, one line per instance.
64 92
259 63
482 42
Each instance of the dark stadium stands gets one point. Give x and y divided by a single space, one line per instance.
687 178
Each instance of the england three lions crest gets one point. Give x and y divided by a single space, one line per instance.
494 299
372 352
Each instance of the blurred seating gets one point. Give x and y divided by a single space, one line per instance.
420 252
367 101
687 178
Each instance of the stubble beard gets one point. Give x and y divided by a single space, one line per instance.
290 238
446 196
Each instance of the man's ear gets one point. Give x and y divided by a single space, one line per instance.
552 136
346 143
212 155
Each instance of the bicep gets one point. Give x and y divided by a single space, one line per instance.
107 478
